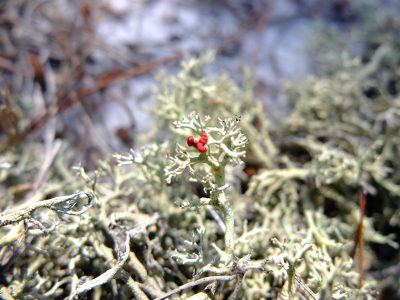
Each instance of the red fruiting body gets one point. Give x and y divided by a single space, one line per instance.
190 140
200 144
203 139
201 147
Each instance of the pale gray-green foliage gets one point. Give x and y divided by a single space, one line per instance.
335 141
293 184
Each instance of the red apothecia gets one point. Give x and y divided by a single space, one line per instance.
199 144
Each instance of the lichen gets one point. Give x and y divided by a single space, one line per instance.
244 209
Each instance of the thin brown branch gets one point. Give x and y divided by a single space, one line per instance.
359 238
62 104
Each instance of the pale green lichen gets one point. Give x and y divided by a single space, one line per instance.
265 213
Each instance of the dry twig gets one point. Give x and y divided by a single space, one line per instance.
63 204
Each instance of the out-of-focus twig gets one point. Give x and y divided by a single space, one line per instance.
105 81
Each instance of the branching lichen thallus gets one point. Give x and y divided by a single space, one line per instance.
206 158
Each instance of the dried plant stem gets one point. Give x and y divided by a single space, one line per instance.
195 283
305 287
359 239
108 275
63 204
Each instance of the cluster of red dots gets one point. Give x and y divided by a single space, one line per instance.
200 144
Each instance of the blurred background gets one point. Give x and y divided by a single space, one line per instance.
92 63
